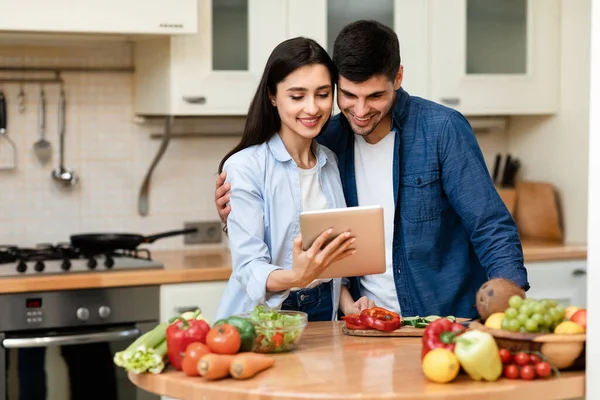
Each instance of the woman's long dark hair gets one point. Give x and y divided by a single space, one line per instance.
263 120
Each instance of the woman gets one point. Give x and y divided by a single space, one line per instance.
277 171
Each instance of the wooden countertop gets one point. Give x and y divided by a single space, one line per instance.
183 266
547 251
180 267
330 365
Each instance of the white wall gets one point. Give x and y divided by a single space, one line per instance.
593 274
553 149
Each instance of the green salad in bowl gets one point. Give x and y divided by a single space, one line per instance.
277 331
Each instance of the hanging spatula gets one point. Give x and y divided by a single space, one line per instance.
8 160
42 148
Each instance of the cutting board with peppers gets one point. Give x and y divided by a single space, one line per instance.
409 326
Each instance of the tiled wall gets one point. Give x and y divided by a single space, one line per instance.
109 152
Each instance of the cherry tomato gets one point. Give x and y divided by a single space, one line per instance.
527 372
534 359
522 358
277 340
194 351
224 339
505 356
511 371
543 369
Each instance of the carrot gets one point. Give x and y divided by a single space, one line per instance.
214 366
247 365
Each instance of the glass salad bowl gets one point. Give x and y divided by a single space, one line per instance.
277 331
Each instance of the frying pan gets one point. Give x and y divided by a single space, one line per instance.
106 242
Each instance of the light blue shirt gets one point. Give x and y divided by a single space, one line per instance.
265 210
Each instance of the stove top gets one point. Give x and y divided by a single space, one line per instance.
63 258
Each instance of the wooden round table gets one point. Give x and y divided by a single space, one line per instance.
331 365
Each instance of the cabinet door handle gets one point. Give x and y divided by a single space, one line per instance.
451 101
195 100
579 272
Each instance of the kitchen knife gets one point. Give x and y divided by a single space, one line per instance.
2 113
496 168
514 169
506 171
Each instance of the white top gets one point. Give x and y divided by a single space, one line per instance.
312 199
373 165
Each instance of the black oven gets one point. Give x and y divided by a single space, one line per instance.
61 344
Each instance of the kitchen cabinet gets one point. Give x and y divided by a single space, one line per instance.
217 70
178 298
563 281
408 18
100 17
495 56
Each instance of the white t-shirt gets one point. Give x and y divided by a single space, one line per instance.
373 165
312 199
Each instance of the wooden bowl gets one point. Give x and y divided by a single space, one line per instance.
565 351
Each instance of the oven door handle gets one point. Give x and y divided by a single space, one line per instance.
95 337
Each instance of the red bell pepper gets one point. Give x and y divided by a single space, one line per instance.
353 322
440 334
381 319
180 334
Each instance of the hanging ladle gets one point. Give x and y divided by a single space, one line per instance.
64 175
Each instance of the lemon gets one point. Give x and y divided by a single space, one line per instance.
568 327
440 365
494 321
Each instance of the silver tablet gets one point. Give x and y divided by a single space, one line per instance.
365 223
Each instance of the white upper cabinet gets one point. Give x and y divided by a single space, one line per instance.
495 56
406 17
482 57
217 70
99 17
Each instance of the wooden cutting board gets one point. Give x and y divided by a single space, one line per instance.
405 331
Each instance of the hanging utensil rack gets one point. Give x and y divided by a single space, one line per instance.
57 79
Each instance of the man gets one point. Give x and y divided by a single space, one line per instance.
447 230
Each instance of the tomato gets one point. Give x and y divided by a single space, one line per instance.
522 358
277 340
543 369
511 371
527 372
505 356
194 351
224 339
534 359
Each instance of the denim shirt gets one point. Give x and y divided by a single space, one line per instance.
265 215
452 232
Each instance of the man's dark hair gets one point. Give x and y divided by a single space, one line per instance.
366 48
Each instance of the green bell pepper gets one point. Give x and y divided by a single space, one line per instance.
245 329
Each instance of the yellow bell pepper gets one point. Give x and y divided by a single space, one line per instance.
477 353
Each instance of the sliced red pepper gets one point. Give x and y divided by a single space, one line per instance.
353 322
381 319
440 334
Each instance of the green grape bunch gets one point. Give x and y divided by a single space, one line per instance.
533 316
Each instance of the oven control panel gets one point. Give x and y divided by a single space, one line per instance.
78 308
